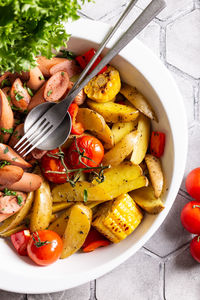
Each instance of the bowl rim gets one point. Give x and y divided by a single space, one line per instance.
9 281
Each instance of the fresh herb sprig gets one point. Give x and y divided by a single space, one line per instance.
60 155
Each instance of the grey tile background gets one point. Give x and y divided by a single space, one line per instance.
163 269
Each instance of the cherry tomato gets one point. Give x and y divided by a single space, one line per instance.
49 163
44 247
20 241
193 184
195 248
90 147
190 217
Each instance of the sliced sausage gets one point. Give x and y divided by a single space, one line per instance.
6 118
10 174
16 136
3 77
38 98
38 154
28 183
6 91
19 95
80 98
36 79
56 86
11 204
8 154
69 66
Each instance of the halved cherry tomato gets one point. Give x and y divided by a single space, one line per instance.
190 217
44 247
84 59
49 163
77 128
195 248
20 241
193 183
157 143
94 240
92 151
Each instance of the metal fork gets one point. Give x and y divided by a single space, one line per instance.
44 119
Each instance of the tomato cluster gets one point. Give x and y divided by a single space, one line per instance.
190 215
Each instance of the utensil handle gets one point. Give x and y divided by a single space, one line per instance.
152 10
103 44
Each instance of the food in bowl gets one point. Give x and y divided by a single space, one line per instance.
94 189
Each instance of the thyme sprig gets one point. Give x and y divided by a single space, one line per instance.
81 152
37 241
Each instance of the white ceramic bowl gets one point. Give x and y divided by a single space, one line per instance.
139 67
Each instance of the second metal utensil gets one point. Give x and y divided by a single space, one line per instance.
57 113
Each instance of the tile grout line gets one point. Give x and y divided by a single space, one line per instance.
161 279
164 282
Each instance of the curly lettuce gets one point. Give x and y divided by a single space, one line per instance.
32 27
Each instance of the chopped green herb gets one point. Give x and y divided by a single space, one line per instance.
6 150
8 192
15 108
5 82
18 97
30 91
19 200
67 54
4 130
17 122
41 77
14 158
25 111
4 163
85 195
49 93
9 98
62 73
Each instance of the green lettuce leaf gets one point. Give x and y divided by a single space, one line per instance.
30 27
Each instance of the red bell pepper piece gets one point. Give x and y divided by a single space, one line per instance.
157 143
94 240
84 59
20 241
77 128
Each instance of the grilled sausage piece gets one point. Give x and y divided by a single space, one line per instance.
10 174
36 79
6 118
38 98
56 86
8 154
9 205
19 95
28 183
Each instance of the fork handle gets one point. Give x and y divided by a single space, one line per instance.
103 44
152 10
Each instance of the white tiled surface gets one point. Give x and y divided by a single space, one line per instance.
163 269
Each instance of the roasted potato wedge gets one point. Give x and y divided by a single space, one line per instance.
42 208
95 123
155 173
121 150
17 218
91 120
77 229
16 229
146 199
141 146
120 130
60 224
56 207
138 100
114 112
118 180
